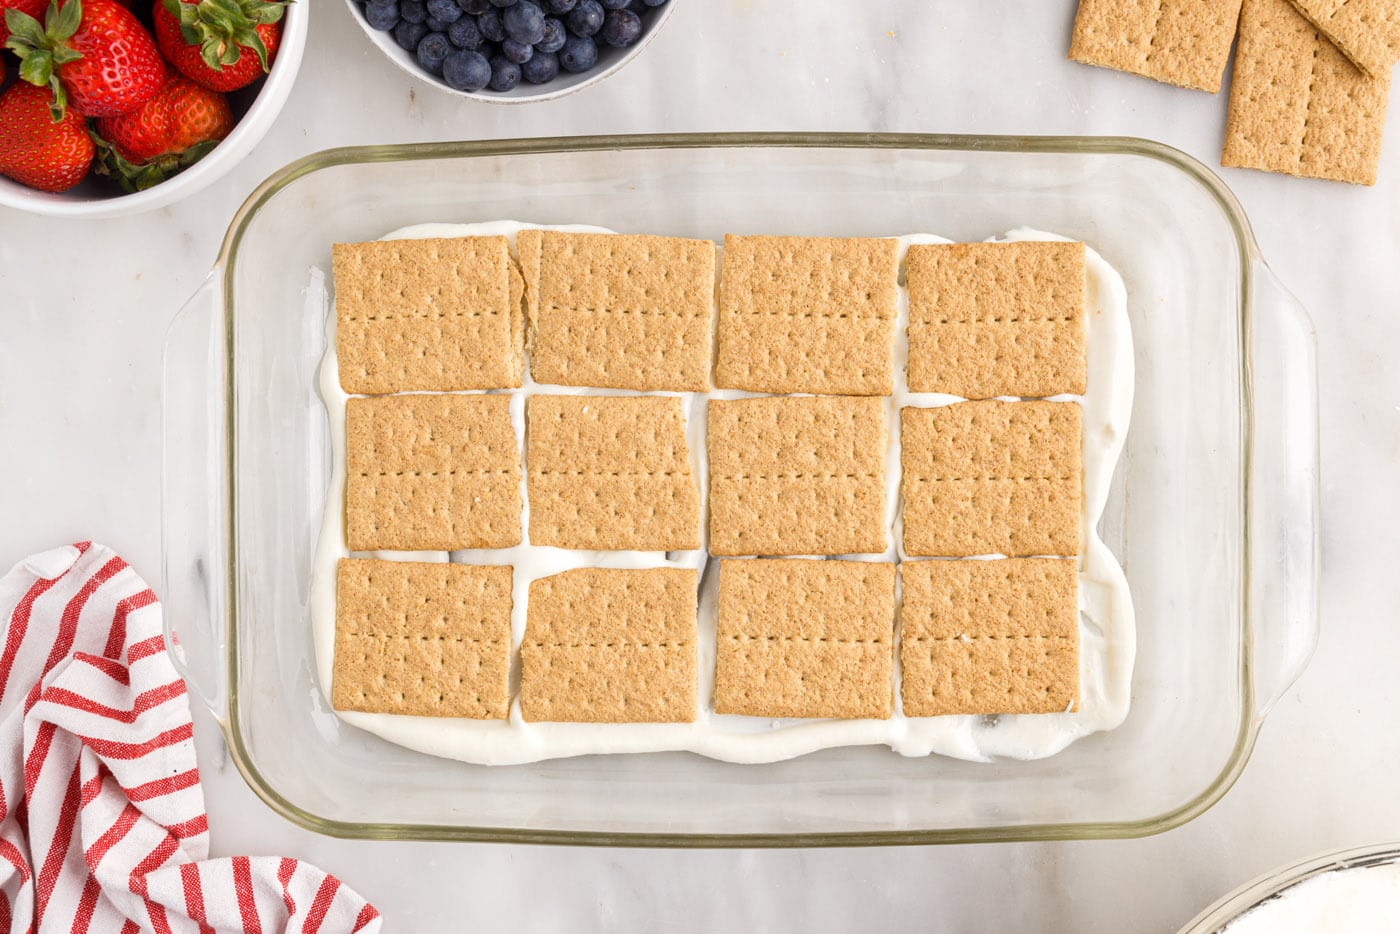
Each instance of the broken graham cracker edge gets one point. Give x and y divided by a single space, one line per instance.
1297 105
1366 31
989 637
805 638
456 640
1180 42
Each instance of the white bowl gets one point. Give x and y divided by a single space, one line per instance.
99 198
609 61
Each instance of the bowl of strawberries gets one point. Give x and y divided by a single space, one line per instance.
112 107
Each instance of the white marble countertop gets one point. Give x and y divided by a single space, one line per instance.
84 308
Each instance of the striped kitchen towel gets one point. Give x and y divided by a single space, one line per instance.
102 821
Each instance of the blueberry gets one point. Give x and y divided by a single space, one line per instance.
409 34
580 53
490 25
586 19
432 49
382 14
505 74
465 70
554 34
517 52
614 4
504 3
524 22
621 28
653 2
464 34
542 67
413 11
445 10
560 6
435 25
474 6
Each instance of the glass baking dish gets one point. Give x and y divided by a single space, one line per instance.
1213 511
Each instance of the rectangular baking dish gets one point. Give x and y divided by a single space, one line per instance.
1213 511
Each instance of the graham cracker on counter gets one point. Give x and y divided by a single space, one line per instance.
797 475
805 638
996 319
427 640
1366 31
428 315
1297 105
618 311
989 637
992 477
431 472
610 473
607 645
807 314
1181 42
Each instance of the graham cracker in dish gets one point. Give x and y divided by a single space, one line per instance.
610 473
1366 31
996 319
1297 105
427 640
989 637
992 477
1181 42
433 472
797 475
805 638
608 645
619 311
428 315
807 314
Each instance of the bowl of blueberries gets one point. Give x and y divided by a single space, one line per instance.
511 51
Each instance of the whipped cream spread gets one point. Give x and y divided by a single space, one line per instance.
1344 901
1107 638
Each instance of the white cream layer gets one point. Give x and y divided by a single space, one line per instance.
1107 638
1344 901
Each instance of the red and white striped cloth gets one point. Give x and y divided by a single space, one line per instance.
102 821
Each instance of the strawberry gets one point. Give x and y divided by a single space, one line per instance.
36 151
29 7
221 44
168 133
92 51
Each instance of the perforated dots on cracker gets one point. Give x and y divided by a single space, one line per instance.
427 640
1181 42
436 315
607 645
992 477
996 319
431 472
619 311
797 475
989 637
805 638
1366 31
807 314
611 472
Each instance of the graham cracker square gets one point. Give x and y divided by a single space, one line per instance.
607 645
1366 31
437 315
808 314
797 475
1297 106
992 477
619 311
427 640
989 637
610 473
805 638
430 472
996 319
1181 42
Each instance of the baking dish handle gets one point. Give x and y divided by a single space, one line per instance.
1283 488
194 494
